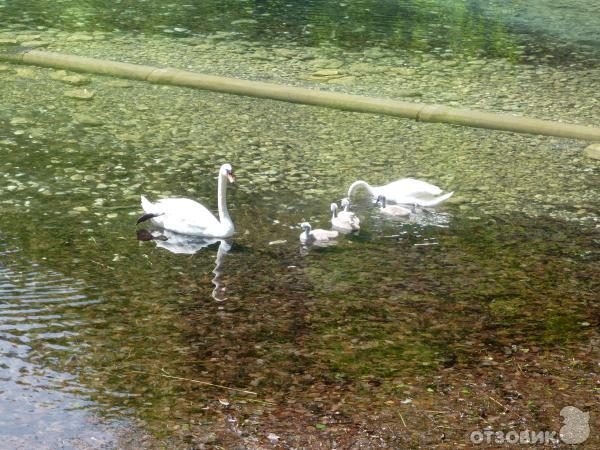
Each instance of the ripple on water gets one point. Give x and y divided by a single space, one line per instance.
41 405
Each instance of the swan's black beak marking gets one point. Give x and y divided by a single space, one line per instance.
147 217
231 177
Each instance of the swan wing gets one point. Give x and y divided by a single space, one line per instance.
342 225
185 216
324 235
434 201
409 191
350 218
408 186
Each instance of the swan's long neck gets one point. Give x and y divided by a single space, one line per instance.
222 202
307 230
358 184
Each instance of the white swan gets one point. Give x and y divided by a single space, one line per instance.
189 217
317 236
407 191
392 210
344 221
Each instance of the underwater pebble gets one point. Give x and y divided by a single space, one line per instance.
326 63
327 73
244 22
374 53
345 81
58 74
19 121
592 151
29 37
80 94
76 80
87 120
35 44
25 73
278 242
119 84
79 37
284 52
366 68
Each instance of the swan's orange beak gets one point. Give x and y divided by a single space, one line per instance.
231 177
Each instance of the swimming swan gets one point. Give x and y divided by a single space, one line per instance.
316 236
344 221
347 213
406 191
189 217
392 210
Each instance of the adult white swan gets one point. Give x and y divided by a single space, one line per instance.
189 217
407 191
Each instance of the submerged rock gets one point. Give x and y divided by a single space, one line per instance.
26 73
366 68
35 44
76 80
80 94
345 81
19 121
244 22
284 52
119 84
326 63
327 73
592 151
87 120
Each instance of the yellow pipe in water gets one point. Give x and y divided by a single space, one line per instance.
417 111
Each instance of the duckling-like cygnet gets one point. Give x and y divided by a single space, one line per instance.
392 210
344 221
316 236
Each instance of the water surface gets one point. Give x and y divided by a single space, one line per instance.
101 331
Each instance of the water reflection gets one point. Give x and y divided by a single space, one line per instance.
189 245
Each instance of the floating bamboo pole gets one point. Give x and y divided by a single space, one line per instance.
417 111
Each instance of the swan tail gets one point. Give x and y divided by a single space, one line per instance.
436 201
147 216
147 205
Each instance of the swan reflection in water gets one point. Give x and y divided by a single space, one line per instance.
189 245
